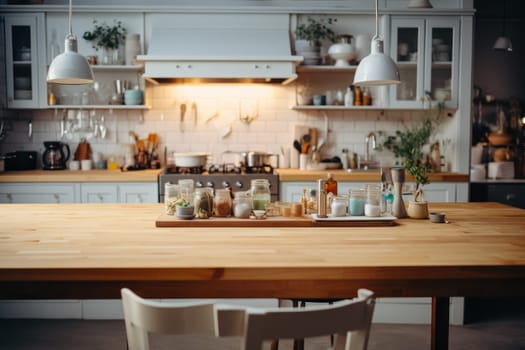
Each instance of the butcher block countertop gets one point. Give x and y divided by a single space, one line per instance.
95 175
296 175
150 175
92 250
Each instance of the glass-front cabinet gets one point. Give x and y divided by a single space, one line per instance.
24 47
427 54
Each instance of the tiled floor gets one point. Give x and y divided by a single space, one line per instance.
505 332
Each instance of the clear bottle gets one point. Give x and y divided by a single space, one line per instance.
304 202
330 185
312 201
356 203
242 205
222 203
260 193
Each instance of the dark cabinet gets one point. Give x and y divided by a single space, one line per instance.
507 193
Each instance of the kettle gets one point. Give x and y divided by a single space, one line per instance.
54 157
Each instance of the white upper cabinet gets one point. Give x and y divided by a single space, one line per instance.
427 54
24 51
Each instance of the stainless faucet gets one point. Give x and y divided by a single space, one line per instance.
370 137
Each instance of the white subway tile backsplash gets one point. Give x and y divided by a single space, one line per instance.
271 129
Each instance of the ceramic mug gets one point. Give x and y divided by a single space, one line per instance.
319 100
74 165
86 164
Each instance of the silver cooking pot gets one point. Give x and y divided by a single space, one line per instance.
259 159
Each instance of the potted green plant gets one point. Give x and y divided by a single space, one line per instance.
109 39
309 37
407 146
184 209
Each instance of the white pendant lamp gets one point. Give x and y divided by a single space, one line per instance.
503 42
376 68
70 67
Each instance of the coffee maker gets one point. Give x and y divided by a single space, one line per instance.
55 155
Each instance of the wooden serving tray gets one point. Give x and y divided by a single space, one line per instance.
165 220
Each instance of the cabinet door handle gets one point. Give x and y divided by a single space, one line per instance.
511 196
10 197
100 198
139 199
57 197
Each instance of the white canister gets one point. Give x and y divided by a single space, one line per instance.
477 172
132 47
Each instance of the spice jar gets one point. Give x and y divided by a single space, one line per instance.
203 201
260 193
222 203
373 205
356 204
242 205
339 206
171 196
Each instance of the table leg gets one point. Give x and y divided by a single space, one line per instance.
440 323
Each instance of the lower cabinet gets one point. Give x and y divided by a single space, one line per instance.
39 193
92 192
510 193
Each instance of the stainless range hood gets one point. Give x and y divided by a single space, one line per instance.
220 55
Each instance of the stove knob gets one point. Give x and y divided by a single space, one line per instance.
226 184
238 184
199 184
210 184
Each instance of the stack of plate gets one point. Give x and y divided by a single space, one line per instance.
501 170
23 88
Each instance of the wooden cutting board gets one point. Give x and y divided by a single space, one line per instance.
165 220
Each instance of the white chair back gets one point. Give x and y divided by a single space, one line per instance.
349 320
144 316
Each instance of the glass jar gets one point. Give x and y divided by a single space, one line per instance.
260 193
187 189
242 205
356 203
171 196
222 203
373 204
203 202
339 206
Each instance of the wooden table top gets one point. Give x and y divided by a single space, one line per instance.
91 250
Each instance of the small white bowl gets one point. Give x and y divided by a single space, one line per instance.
259 213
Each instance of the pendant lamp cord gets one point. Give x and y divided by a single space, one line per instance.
70 19
504 16
377 22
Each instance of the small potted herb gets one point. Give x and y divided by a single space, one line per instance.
407 146
309 37
184 209
109 39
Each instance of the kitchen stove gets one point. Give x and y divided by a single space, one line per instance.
220 176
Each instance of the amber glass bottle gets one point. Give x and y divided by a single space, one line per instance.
331 185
